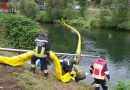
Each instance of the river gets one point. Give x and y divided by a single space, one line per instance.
114 44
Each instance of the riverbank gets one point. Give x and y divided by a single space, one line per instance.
20 78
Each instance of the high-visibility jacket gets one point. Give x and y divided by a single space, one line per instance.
42 46
98 71
4 5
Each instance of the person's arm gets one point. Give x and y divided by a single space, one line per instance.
106 72
47 48
91 69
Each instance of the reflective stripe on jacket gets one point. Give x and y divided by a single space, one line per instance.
41 46
98 69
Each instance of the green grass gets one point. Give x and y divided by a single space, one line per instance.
21 78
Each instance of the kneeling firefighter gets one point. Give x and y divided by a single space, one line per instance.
41 51
68 65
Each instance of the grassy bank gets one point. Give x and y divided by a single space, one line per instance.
20 78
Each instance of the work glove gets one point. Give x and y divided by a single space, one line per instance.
77 79
71 74
108 77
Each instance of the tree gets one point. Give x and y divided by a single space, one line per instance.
55 9
28 8
83 5
120 11
106 3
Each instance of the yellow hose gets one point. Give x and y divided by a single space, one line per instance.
16 60
78 51
58 70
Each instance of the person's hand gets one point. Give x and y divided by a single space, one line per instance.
71 74
108 79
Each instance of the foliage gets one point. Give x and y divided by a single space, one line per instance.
106 4
118 16
28 8
119 13
105 19
122 85
41 16
97 2
78 22
20 30
95 23
83 5
55 9
39 1
4 0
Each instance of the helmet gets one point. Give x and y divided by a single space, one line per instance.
45 32
81 75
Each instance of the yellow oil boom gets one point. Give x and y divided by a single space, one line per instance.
78 51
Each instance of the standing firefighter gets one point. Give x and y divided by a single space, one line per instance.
99 70
41 51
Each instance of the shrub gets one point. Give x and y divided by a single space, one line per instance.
20 31
40 16
28 8
122 85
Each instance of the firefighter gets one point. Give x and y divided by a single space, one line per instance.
99 70
69 65
41 51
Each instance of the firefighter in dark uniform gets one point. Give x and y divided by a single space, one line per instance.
41 51
69 65
99 70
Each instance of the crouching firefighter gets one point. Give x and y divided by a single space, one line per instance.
99 70
68 65
41 52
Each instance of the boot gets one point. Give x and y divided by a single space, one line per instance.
41 68
33 69
45 74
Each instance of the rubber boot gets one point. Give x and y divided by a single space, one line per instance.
45 74
41 68
33 69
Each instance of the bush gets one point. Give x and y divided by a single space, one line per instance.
20 31
95 23
40 16
122 85
28 8
106 19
